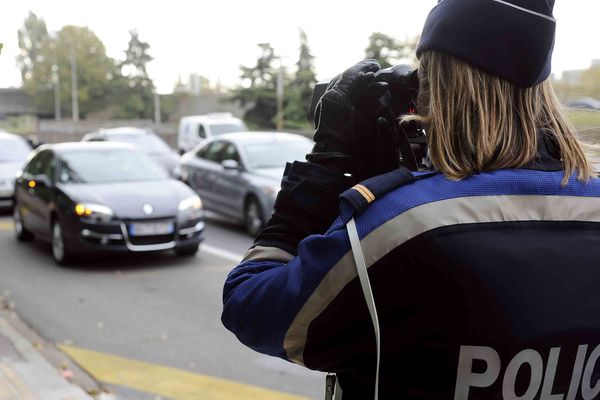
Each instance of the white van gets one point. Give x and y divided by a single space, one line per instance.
195 128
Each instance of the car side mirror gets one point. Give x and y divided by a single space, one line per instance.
40 180
231 165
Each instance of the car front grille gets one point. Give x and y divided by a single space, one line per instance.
151 240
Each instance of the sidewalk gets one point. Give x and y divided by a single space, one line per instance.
26 375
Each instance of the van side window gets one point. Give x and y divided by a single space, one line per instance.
201 132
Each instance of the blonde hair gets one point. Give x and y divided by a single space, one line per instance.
478 122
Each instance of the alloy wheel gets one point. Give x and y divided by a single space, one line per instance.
18 222
254 222
58 243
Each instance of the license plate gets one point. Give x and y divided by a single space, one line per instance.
151 228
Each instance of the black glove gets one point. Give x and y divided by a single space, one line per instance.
350 137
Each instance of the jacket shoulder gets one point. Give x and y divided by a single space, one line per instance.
361 195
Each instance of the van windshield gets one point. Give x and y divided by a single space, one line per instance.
219 129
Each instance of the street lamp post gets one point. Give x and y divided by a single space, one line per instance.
157 117
74 98
280 83
56 81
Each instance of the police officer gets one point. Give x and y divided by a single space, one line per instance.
482 273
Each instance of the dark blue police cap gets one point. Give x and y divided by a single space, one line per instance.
512 39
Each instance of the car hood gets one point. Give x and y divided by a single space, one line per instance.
127 199
8 170
270 173
168 160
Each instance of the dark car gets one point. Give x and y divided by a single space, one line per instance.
238 174
87 197
145 139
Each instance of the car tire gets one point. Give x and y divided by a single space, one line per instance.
60 249
253 216
187 251
21 233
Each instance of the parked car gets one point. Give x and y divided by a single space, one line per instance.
145 139
13 152
585 103
89 197
239 174
196 128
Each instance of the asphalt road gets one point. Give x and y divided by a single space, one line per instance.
156 309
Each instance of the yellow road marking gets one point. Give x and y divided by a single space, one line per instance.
166 381
6 226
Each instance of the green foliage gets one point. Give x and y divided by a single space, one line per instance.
258 90
45 62
591 82
298 93
33 37
389 51
588 85
124 88
587 123
133 90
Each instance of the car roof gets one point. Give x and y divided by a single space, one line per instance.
8 135
69 147
129 130
216 117
258 137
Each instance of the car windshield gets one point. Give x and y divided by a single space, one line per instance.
149 143
276 154
108 166
219 129
13 149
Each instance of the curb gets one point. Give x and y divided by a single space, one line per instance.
34 369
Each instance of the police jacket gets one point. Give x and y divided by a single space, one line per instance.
486 288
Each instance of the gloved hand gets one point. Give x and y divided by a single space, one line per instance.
350 138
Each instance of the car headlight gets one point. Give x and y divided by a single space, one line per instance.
190 204
93 211
271 190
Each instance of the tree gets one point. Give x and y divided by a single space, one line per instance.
45 63
134 90
36 71
33 37
389 51
95 70
298 93
258 90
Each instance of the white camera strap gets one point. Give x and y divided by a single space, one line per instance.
363 276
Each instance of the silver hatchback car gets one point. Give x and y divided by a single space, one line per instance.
239 174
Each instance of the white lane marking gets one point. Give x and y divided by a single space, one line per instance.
222 253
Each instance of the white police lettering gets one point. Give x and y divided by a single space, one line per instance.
466 378
534 360
541 379
577 371
587 391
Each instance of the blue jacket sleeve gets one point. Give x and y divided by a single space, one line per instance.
262 297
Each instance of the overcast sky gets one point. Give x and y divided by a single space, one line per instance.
212 38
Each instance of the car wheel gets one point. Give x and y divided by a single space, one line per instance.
60 250
21 233
253 217
187 251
